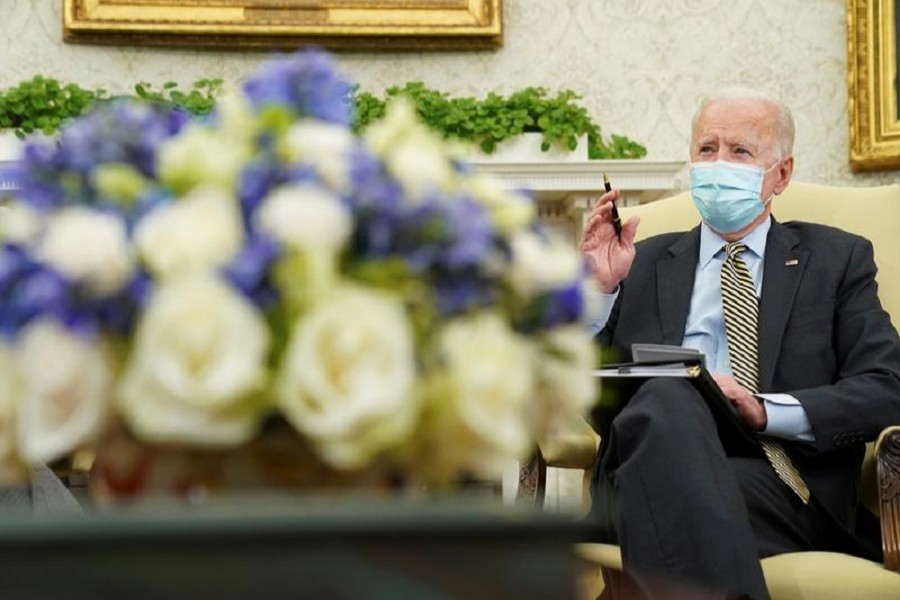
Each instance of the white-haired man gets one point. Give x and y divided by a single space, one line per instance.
792 329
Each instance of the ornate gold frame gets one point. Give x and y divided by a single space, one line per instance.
873 85
287 24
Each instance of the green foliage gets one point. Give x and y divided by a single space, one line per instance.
367 109
494 118
200 100
43 104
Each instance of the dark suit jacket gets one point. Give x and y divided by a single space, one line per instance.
824 338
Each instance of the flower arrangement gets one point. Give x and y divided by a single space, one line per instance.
193 279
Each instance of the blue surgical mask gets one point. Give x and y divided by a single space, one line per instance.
727 195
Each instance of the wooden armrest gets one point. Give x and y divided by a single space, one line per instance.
887 457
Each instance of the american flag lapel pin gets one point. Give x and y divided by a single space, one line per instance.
791 263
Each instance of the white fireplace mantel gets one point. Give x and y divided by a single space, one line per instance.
565 190
640 180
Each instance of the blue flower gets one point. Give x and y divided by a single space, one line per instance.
119 313
305 83
461 291
257 179
37 292
114 133
249 271
561 307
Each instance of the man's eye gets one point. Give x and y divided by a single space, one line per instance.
741 151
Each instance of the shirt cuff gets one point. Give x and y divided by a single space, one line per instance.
597 307
787 418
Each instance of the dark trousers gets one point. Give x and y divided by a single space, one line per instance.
688 503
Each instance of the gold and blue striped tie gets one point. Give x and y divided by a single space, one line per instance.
741 310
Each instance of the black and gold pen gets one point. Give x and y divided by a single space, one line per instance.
616 221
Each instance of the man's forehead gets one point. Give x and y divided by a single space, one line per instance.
748 118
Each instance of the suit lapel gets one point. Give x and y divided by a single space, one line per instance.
783 270
675 284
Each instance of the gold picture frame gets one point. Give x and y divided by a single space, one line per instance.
874 88
287 24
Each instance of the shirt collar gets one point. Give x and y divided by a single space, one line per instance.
711 242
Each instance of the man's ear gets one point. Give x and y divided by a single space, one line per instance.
783 174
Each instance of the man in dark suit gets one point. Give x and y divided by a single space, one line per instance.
686 497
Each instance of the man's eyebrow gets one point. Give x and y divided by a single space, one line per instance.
742 141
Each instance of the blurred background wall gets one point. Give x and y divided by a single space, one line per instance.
641 65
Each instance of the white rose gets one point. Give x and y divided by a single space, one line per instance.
420 166
565 363
477 418
19 223
89 247
235 115
326 146
305 216
542 262
385 134
413 154
197 367
201 231
11 469
347 377
509 211
200 156
67 380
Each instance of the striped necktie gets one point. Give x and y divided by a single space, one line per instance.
741 310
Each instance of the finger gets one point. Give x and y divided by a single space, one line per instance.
600 211
604 203
629 230
590 244
588 249
607 198
598 218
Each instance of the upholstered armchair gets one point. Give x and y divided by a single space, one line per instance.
874 213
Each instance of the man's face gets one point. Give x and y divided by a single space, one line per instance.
740 131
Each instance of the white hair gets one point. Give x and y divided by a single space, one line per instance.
785 130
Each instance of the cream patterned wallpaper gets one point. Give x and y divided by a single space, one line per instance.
641 65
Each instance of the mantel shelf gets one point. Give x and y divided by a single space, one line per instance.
639 180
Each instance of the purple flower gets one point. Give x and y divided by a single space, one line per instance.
376 203
305 83
458 292
119 313
562 306
444 233
30 290
255 182
472 235
117 132
37 292
249 271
